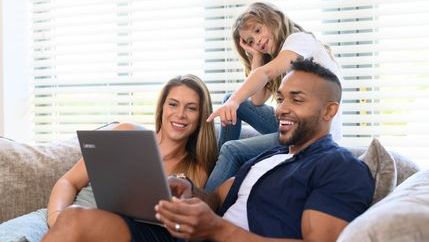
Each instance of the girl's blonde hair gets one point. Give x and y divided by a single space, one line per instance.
201 146
280 25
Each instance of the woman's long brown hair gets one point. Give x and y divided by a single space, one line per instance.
201 146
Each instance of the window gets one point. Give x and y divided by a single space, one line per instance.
98 61
382 49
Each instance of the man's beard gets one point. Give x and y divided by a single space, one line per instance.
305 130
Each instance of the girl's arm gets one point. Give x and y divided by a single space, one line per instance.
65 189
255 82
259 77
257 60
262 95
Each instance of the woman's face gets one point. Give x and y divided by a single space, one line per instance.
258 36
181 113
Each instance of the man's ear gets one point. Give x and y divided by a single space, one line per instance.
330 110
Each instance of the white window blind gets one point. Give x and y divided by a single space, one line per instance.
98 61
382 48
222 70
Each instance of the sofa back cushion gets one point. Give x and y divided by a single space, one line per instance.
28 174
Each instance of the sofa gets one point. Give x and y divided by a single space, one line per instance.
400 210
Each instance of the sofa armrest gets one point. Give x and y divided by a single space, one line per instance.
401 216
29 172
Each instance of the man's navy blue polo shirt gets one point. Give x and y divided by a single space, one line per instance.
322 177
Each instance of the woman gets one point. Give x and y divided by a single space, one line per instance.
187 143
267 42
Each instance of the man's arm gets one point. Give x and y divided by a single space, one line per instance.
216 198
315 226
319 226
197 221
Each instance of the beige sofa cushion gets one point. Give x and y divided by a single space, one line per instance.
387 167
28 173
402 216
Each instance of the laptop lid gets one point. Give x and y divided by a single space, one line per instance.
125 171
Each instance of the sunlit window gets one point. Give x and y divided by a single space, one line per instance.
99 61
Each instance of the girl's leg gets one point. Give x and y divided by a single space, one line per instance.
261 118
234 153
229 132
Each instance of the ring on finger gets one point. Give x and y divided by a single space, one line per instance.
177 227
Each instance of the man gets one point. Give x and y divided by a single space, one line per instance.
307 189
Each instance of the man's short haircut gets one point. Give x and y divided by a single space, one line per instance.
308 65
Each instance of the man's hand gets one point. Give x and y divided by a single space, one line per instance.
188 218
180 187
227 113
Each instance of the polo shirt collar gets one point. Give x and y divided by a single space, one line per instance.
320 144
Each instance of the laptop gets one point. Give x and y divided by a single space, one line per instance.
125 171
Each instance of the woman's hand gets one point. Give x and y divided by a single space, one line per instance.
188 218
227 113
180 187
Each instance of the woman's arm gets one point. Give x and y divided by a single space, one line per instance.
65 189
256 81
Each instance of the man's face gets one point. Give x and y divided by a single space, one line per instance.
300 107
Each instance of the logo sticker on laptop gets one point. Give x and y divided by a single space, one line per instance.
89 146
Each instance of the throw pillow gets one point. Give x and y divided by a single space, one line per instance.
383 169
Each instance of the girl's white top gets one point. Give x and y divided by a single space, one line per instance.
307 46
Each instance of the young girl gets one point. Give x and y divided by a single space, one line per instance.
267 41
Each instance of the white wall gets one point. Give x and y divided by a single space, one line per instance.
1 71
16 93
